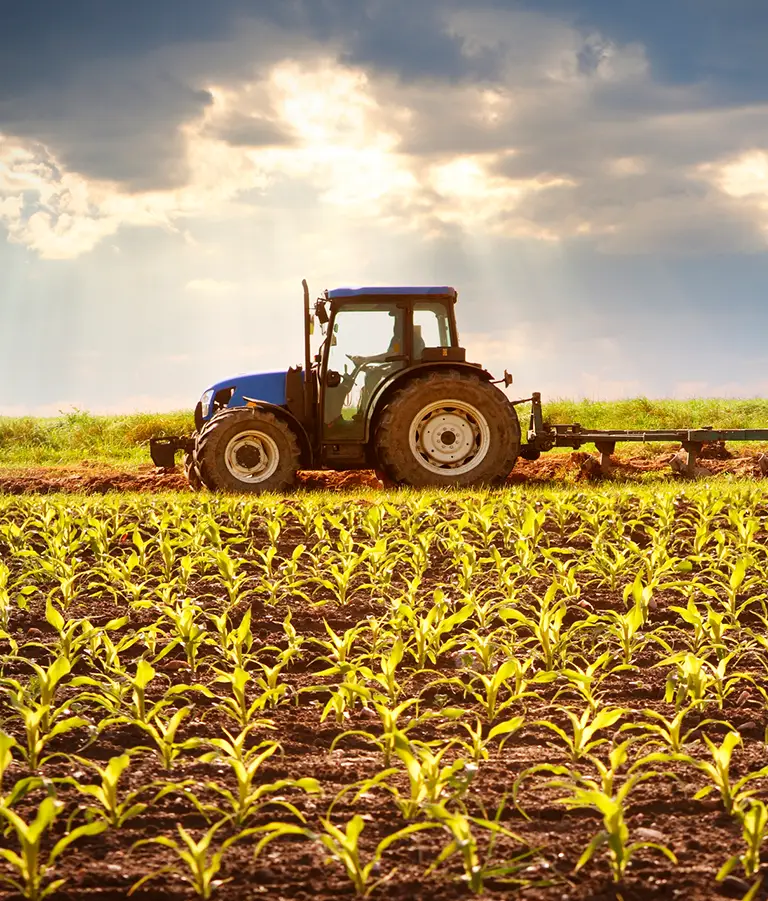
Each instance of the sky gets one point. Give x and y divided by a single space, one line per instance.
591 175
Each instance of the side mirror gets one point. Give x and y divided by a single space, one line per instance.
321 312
332 379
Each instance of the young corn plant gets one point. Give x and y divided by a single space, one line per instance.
668 733
386 678
615 833
32 868
339 647
236 706
477 744
202 863
433 634
22 786
251 794
584 682
607 775
754 831
391 728
690 682
232 575
429 780
190 634
163 733
508 679
75 636
41 725
584 728
235 642
545 627
40 691
709 627
734 795
624 631
464 842
109 805
343 846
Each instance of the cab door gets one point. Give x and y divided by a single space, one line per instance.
367 346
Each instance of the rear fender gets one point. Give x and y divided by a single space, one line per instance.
388 388
305 445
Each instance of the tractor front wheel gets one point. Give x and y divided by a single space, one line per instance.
448 428
192 472
244 449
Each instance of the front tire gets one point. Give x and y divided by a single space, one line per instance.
244 449
448 428
192 472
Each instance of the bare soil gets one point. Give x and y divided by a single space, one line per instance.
99 478
103 868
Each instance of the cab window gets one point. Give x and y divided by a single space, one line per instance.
431 327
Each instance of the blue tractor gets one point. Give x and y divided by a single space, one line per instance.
389 389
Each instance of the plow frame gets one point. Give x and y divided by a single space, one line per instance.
543 437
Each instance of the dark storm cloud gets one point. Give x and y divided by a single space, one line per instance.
722 42
80 78
106 85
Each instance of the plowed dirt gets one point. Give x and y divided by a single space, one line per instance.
97 478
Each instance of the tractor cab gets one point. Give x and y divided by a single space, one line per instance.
371 336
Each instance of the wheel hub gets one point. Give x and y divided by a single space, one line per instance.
252 456
449 437
249 456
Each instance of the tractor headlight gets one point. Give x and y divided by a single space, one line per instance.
205 401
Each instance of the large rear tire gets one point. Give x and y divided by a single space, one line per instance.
244 449
448 428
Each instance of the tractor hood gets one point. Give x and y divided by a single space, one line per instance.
266 386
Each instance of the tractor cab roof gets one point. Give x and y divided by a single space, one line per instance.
442 291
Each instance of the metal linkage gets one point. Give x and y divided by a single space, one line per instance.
543 437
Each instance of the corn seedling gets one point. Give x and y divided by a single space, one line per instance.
33 868
754 830
202 863
343 846
615 833
584 729
251 794
464 842
109 805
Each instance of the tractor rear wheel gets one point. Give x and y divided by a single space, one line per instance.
448 428
244 449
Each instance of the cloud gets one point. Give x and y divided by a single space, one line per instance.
530 128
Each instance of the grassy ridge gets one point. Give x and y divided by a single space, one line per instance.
78 436
642 413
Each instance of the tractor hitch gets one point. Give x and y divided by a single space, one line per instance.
163 450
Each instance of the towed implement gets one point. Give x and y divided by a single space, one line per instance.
388 389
